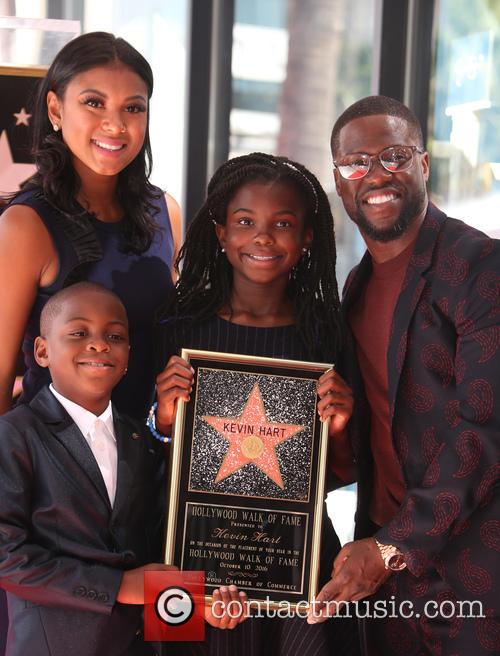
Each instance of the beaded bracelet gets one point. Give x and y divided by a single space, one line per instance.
151 424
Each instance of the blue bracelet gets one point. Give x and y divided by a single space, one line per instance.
151 424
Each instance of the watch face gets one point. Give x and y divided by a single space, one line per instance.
396 562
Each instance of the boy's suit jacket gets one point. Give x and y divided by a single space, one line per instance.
62 547
444 398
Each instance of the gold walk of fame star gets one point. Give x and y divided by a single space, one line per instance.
252 439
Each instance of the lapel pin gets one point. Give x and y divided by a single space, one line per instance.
135 436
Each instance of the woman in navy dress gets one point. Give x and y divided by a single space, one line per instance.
89 212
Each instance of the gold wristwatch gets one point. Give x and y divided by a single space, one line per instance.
392 556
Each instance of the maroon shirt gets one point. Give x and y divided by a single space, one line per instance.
370 320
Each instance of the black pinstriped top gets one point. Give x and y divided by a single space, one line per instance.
218 334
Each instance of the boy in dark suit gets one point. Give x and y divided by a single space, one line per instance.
80 492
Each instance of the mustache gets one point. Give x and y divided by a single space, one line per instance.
411 207
384 188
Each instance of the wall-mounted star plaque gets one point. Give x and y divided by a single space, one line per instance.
18 87
247 474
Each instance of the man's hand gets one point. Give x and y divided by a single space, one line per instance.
131 589
217 613
358 571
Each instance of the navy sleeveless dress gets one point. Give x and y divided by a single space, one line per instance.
90 250
260 636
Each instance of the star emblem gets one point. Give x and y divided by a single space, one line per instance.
22 117
11 173
252 439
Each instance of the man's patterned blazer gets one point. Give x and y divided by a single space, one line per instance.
444 397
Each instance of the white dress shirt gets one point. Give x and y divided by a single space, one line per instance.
100 435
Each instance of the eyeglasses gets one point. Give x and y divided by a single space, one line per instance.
394 159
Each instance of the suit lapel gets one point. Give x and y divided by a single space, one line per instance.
129 456
67 433
355 283
411 291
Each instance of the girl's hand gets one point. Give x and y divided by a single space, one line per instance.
335 401
174 382
217 614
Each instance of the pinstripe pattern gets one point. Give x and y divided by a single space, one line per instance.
260 636
220 335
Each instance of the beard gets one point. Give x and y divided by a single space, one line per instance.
409 212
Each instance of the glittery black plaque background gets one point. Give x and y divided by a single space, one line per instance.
286 401
258 530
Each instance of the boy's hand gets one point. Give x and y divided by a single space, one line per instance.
174 382
217 614
336 401
131 589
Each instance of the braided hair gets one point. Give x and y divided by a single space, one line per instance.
205 282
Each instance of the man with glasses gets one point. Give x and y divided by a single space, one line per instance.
423 306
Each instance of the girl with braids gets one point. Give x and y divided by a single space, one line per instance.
258 278
89 212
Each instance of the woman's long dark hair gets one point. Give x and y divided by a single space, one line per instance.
205 282
56 175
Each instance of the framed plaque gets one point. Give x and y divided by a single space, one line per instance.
18 87
247 475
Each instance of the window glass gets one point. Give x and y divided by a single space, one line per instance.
465 120
158 29
296 66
